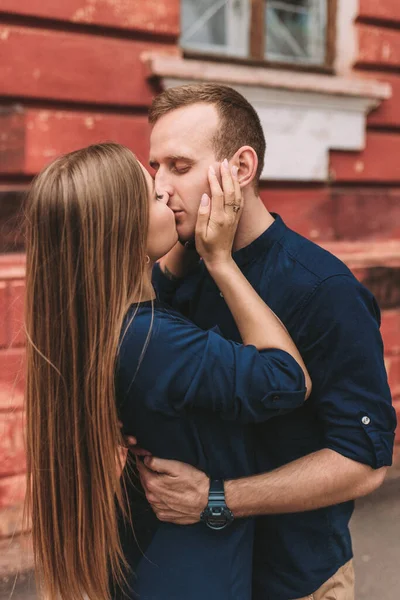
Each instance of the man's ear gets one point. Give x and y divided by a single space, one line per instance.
247 160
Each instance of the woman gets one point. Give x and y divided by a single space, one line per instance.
101 349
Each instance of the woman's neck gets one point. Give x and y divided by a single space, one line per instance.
147 292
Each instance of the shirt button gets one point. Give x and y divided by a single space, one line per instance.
366 420
221 294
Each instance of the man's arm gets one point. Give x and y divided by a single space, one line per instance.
179 492
321 479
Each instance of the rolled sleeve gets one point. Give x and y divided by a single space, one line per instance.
362 435
201 370
343 349
244 384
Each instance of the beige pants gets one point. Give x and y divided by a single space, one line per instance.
338 587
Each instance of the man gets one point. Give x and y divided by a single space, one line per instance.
315 461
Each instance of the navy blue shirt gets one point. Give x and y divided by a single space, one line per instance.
191 395
334 321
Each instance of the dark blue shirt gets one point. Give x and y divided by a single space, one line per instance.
191 395
334 321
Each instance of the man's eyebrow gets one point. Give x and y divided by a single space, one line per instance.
173 157
180 157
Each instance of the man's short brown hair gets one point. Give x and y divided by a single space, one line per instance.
239 123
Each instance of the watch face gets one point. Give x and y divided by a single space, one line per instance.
217 517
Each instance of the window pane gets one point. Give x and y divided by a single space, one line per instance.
296 31
203 23
215 25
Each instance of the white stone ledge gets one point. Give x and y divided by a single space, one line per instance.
177 67
304 115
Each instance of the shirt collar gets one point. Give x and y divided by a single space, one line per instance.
263 243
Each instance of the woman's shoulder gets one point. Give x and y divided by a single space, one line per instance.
154 312
155 319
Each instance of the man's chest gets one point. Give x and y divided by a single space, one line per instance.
207 307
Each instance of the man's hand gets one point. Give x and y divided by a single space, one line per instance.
120 459
122 452
178 493
131 442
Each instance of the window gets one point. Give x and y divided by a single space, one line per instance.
284 32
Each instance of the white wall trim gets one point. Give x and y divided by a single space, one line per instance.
346 36
177 67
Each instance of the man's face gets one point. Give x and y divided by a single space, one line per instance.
181 152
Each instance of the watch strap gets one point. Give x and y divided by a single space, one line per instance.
216 515
216 494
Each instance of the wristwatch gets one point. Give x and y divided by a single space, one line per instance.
216 515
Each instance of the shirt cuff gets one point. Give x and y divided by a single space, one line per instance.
364 444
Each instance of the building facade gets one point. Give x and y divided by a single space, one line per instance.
324 76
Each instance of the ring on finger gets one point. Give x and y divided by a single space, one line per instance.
235 207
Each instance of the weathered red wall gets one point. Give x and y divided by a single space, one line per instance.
12 459
71 74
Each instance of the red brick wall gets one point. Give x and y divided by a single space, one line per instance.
391 335
71 74
12 459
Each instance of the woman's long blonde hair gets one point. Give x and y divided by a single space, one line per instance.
86 227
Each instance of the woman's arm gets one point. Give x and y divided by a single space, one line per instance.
202 370
216 227
257 323
179 261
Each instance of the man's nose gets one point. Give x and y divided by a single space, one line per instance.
163 187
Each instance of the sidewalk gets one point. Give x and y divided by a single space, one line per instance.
376 542
376 537
16 577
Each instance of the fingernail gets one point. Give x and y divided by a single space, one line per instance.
234 170
205 200
226 164
212 170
